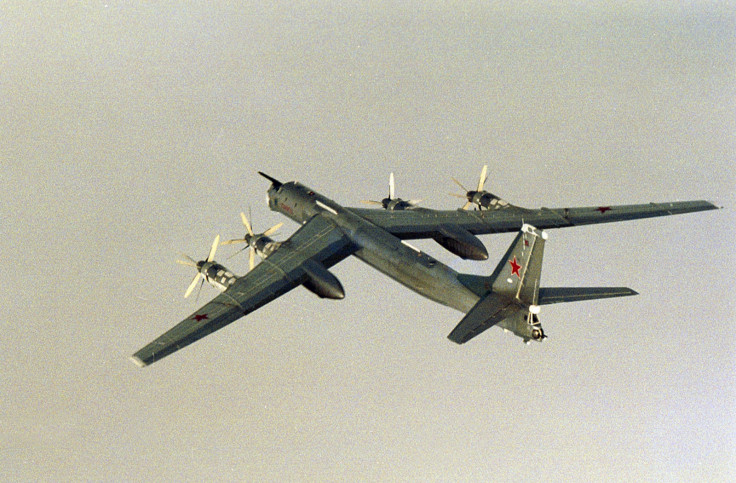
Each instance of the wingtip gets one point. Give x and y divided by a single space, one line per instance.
626 291
135 360
708 205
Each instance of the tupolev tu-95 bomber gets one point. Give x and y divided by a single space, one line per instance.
510 297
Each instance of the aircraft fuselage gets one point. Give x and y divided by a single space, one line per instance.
375 246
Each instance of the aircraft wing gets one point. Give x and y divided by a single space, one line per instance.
283 270
424 223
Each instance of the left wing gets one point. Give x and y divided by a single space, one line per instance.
425 223
317 240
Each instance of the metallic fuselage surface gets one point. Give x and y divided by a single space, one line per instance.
377 247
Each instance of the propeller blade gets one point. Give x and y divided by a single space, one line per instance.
467 205
460 185
371 202
199 291
414 202
252 258
483 177
242 249
391 187
458 196
273 229
215 244
231 242
193 284
246 223
188 261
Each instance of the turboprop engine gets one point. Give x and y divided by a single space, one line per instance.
319 280
480 198
215 274
392 203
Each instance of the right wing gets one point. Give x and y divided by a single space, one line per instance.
425 223
317 240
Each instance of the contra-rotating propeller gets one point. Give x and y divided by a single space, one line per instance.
257 242
469 195
392 202
201 266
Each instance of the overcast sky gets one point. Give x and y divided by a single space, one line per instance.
130 133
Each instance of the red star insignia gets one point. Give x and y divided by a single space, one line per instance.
526 243
515 267
603 209
200 317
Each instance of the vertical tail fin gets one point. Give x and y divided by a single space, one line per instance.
514 299
514 291
517 275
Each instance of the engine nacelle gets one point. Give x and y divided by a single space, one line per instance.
461 242
395 204
321 282
216 275
486 200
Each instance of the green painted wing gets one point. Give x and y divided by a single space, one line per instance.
283 270
424 223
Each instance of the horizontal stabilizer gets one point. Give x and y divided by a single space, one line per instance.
554 295
489 311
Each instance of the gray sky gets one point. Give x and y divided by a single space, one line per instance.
132 133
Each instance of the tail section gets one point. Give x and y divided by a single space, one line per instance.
515 297
514 290
517 275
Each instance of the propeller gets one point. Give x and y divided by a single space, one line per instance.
189 262
468 203
483 177
251 238
392 202
466 196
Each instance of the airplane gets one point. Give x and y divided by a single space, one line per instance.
510 297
